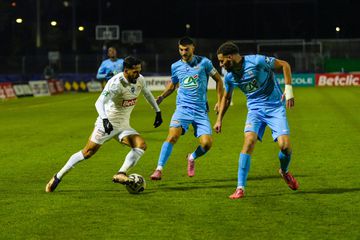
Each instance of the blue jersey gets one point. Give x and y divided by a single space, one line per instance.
193 81
110 68
257 81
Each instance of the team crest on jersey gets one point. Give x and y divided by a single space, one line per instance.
132 89
105 93
129 103
191 82
267 60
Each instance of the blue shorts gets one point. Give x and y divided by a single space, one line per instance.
184 116
274 117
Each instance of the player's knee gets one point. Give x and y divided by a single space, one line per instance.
249 145
285 147
142 146
88 153
250 142
286 150
207 144
172 139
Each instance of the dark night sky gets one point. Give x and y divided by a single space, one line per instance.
222 19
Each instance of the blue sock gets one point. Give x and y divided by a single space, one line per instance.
198 152
165 153
244 166
284 161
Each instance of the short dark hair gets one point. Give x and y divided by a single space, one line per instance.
130 62
228 48
186 41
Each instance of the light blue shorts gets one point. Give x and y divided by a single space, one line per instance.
184 116
274 117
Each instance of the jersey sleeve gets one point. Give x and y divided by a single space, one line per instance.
148 95
209 68
229 87
101 74
109 91
267 62
174 78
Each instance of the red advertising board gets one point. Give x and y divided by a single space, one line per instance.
337 80
6 90
55 86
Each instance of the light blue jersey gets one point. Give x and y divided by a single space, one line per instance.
110 68
193 81
257 81
192 94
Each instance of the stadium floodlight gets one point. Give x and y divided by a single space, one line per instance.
19 20
81 28
53 23
337 29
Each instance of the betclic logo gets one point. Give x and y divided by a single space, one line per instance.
339 80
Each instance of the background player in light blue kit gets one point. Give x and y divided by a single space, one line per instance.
254 75
111 66
191 73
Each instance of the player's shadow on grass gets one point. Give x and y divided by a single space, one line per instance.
330 191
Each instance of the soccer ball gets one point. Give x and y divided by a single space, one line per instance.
138 185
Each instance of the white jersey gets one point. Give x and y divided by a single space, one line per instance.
118 99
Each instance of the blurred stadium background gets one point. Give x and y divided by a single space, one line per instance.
314 36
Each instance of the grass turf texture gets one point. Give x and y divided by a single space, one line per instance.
38 135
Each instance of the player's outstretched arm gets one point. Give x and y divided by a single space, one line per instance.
168 91
224 105
219 90
151 100
288 93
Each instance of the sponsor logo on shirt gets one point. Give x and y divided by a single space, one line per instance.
129 103
191 82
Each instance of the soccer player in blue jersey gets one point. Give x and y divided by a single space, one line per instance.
254 75
191 74
111 66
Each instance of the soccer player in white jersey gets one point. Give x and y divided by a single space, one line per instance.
114 107
254 75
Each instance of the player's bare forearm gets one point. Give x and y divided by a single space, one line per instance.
169 90
281 64
219 87
224 105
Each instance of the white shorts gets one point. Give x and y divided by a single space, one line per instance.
99 136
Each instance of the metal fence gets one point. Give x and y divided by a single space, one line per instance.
303 56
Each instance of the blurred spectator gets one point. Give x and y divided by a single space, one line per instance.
49 72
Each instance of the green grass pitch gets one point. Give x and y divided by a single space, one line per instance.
38 135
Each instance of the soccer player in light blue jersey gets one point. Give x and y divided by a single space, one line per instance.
191 74
254 75
111 66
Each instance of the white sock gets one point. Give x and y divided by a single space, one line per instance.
131 159
160 168
73 160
